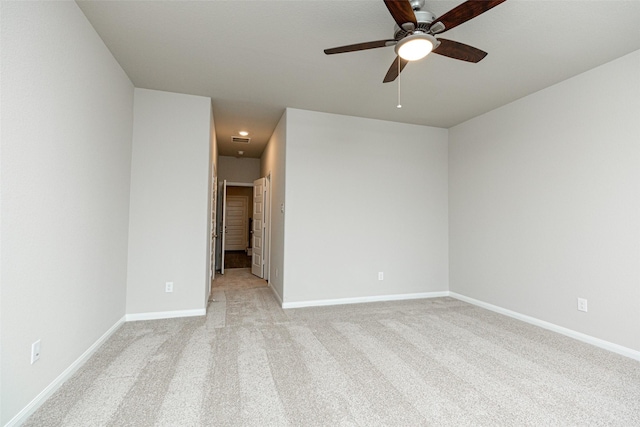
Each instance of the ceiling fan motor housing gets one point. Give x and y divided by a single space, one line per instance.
424 18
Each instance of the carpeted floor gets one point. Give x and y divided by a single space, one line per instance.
407 363
237 278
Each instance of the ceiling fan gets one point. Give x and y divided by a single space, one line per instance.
415 33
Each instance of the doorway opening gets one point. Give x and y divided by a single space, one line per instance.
237 226
249 206
245 226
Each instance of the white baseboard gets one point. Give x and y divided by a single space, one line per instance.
275 293
166 314
616 348
358 300
28 410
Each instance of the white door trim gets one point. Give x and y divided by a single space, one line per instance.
213 234
224 220
266 251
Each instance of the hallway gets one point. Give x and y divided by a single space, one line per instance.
236 278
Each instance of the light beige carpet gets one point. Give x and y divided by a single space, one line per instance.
237 278
435 362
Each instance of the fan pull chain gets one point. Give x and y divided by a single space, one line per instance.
399 104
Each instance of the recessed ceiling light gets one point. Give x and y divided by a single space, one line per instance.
243 133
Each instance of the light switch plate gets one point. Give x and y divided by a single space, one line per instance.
35 352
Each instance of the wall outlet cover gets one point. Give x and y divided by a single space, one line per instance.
582 304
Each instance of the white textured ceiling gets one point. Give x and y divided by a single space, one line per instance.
255 58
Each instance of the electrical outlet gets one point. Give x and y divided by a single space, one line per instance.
168 287
582 304
35 352
381 276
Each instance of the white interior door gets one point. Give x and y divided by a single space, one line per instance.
237 219
257 259
214 234
223 229
266 247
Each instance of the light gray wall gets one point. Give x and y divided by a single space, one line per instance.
169 223
273 166
238 169
545 204
67 110
363 196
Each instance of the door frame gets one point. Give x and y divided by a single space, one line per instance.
226 184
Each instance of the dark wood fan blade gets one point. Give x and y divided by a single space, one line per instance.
401 11
360 46
459 50
466 11
393 72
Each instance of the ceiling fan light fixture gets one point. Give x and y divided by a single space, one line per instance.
416 46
